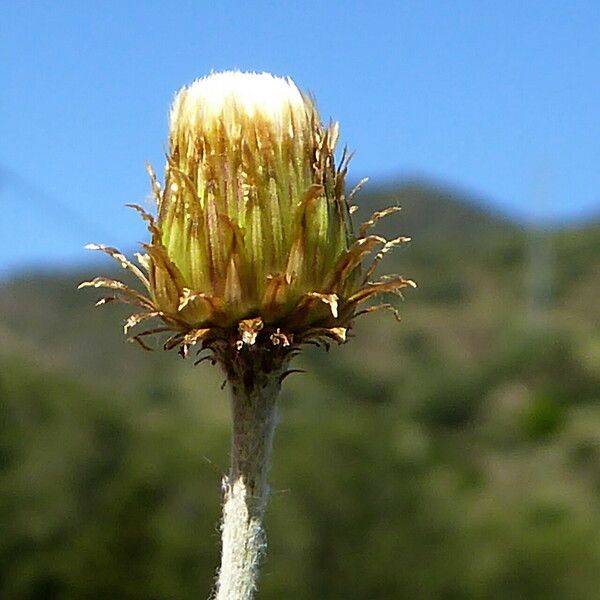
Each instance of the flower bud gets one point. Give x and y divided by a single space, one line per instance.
253 235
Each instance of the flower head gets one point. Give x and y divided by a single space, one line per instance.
253 238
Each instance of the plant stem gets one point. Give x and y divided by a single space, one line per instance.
254 412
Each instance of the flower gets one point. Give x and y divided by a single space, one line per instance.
253 239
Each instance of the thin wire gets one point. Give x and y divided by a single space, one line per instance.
52 206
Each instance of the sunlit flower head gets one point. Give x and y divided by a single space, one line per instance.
253 241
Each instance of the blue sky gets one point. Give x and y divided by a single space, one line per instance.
501 99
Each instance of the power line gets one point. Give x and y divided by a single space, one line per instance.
58 210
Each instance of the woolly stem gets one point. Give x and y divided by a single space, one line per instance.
254 413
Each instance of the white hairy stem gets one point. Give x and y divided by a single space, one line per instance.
246 491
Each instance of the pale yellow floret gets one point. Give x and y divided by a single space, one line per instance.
222 98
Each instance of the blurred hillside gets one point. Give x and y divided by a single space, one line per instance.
455 455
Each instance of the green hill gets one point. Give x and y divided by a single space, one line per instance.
454 455
431 210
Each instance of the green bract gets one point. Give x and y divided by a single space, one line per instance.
253 235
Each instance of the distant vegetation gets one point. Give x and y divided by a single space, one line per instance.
455 455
